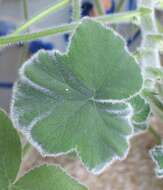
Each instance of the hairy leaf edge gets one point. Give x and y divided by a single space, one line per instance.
28 133
45 153
126 50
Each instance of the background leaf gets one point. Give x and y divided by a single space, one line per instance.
10 152
157 155
47 177
44 177
64 101
141 112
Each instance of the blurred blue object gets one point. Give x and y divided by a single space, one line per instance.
36 45
6 27
134 37
86 8
112 8
6 85
132 5
66 37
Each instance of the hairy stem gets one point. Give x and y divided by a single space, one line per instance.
25 7
148 26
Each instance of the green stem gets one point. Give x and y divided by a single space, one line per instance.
24 49
35 35
25 8
120 5
109 19
76 4
132 16
99 7
148 26
40 16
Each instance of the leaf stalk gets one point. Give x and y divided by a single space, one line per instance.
131 16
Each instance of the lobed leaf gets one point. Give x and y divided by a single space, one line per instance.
141 112
75 101
44 177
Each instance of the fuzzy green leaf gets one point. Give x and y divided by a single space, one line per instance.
141 112
64 102
10 152
47 177
44 177
157 156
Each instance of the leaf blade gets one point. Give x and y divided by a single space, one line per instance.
47 177
68 106
10 151
107 67
141 113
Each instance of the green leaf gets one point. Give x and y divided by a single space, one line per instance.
47 177
141 112
44 177
10 152
75 101
102 63
157 156
156 104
